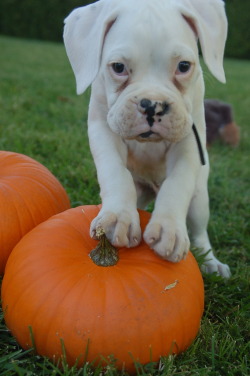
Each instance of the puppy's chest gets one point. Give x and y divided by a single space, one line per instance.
147 162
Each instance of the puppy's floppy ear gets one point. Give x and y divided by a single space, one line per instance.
84 33
208 20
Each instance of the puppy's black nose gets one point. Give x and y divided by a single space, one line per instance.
147 107
154 108
145 103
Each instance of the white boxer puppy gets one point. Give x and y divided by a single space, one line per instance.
146 121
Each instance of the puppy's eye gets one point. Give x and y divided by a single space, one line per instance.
183 67
119 68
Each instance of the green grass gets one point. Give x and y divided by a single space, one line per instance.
41 116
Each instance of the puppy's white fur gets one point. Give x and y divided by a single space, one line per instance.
141 113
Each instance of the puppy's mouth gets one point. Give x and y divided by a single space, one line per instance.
149 136
146 134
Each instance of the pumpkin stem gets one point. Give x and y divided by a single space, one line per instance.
105 254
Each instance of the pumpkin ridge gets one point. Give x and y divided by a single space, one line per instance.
27 272
6 238
50 332
27 288
75 228
50 196
21 199
29 194
63 220
172 294
127 285
74 307
49 191
44 300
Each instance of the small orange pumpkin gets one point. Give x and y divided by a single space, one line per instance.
139 309
29 194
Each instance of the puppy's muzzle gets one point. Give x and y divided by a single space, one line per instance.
152 109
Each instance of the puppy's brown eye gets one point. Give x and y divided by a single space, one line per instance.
119 68
183 67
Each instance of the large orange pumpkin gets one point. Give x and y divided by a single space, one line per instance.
140 309
29 194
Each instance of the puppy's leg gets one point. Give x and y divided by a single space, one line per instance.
118 216
198 216
166 231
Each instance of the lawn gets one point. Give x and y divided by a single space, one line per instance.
41 116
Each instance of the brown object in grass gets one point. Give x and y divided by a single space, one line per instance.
220 123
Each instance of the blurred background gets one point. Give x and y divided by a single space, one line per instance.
43 19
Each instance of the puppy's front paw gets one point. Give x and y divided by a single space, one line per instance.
167 238
122 228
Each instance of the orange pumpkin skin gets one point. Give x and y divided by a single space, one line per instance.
29 194
141 308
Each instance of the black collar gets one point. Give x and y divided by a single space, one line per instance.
202 158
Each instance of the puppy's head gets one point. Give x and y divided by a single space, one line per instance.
143 58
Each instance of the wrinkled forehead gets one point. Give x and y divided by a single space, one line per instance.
146 27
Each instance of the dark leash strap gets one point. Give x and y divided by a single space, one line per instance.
202 158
